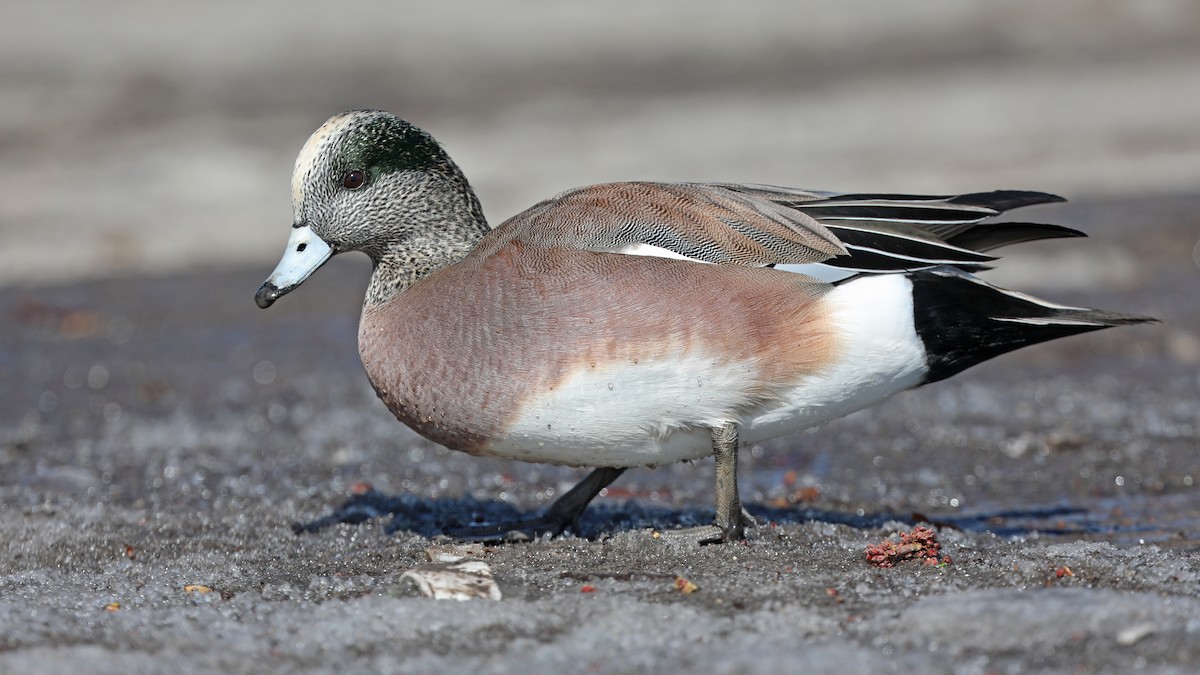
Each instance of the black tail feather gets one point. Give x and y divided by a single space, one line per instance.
988 236
963 320
1006 200
895 232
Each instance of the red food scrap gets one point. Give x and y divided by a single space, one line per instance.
587 588
920 544
685 586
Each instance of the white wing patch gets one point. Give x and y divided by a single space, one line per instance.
818 271
654 252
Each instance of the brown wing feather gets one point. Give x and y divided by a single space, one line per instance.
757 225
712 223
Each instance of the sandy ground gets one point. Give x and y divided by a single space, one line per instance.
158 431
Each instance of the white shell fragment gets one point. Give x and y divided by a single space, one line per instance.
1134 634
465 580
452 553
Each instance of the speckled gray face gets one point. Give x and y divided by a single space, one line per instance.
356 182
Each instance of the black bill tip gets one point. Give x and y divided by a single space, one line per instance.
267 295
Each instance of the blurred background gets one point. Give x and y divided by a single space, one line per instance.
144 137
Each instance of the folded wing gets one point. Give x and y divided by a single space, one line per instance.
761 225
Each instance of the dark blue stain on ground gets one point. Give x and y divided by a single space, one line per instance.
432 517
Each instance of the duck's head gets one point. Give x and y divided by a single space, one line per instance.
365 181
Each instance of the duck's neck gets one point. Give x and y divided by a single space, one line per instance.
448 234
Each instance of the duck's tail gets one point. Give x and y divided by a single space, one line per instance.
963 320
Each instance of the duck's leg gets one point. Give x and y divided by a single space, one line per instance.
732 519
730 514
562 514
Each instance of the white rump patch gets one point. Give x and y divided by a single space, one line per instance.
878 354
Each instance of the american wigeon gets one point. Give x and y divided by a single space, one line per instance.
635 324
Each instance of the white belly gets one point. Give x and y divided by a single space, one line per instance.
661 411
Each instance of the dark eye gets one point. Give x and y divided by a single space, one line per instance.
354 179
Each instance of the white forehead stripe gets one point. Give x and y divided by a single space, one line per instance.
311 151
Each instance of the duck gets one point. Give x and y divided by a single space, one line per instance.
636 324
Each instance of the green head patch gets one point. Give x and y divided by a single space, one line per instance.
380 143
371 141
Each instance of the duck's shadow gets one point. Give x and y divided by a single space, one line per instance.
433 517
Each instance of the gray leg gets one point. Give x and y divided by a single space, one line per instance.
732 519
729 506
